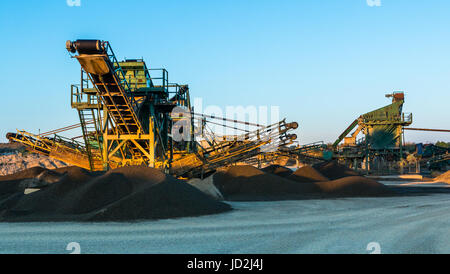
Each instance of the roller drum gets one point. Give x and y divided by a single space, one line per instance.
11 135
293 125
292 136
85 46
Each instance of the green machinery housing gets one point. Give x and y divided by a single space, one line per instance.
382 140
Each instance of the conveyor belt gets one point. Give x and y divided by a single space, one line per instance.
98 60
227 152
102 67
57 147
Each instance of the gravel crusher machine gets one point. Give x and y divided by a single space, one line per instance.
132 115
382 140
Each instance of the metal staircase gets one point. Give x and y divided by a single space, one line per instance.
116 95
90 133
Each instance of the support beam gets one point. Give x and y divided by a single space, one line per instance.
129 137
116 149
141 149
427 129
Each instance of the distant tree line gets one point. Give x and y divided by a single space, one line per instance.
443 144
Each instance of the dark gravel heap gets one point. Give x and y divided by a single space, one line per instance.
249 183
307 174
123 194
333 170
278 170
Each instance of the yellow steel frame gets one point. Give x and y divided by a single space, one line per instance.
115 144
55 149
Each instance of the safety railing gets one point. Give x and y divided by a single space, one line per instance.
407 117
77 97
118 71
162 78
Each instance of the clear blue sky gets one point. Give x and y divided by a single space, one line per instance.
323 62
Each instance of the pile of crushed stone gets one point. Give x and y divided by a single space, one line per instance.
13 162
207 186
123 194
11 148
353 186
443 178
137 192
307 174
333 170
278 170
247 183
